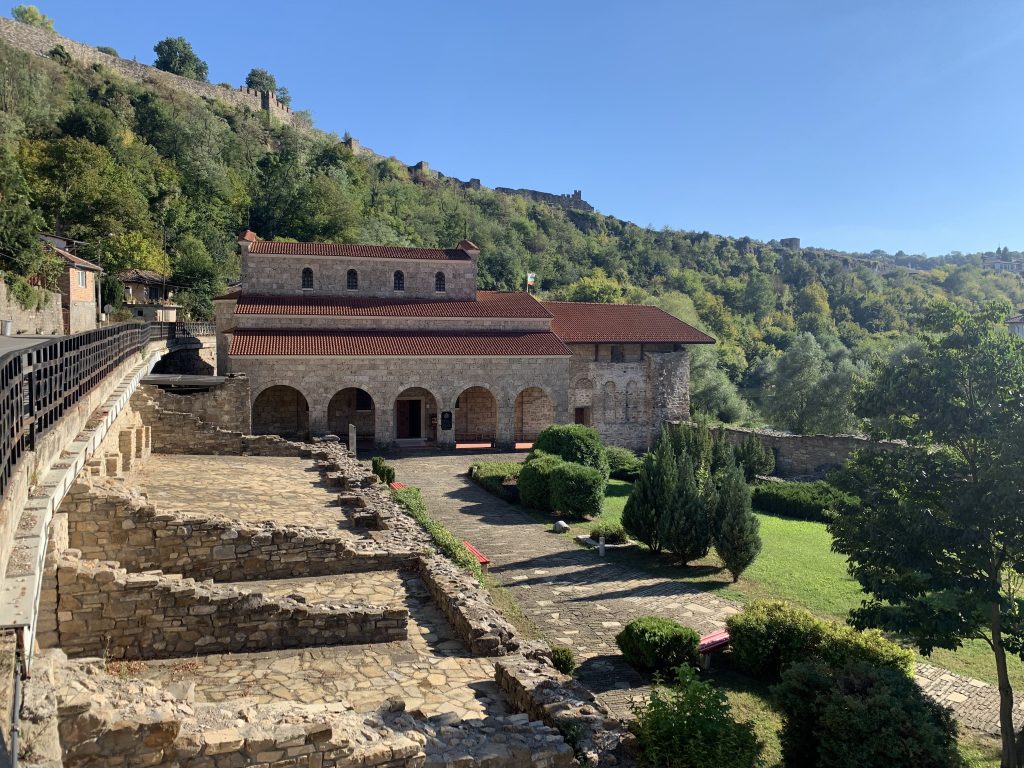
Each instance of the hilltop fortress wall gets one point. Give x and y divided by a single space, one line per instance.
42 41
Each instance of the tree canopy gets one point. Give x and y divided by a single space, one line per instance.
175 55
29 14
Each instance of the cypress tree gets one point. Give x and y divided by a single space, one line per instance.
686 526
652 495
737 540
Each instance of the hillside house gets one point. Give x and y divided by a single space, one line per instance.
148 296
402 344
78 285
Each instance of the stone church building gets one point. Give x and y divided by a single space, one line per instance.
402 344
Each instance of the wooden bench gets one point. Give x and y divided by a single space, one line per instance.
480 557
713 642
396 486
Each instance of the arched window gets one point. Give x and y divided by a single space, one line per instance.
307 278
439 282
352 280
399 280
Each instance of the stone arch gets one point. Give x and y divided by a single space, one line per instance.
475 416
534 410
416 415
352 405
281 410
631 402
609 411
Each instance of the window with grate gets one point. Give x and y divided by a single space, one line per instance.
439 282
399 280
352 280
307 278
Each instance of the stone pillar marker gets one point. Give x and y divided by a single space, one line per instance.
352 438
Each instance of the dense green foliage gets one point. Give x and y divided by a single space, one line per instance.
623 464
443 539
936 537
737 537
690 725
754 458
160 176
175 55
382 469
535 480
575 443
769 636
803 501
613 533
29 14
492 477
862 715
577 491
653 644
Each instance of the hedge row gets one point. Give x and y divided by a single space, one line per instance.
653 644
802 501
443 539
491 476
769 636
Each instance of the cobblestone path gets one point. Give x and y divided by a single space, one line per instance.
581 600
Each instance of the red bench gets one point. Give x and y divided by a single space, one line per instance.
480 557
713 642
396 486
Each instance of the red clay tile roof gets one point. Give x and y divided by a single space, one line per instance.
248 236
144 276
488 304
230 293
581 323
260 342
76 261
355 250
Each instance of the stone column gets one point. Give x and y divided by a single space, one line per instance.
505 437
446 437
317 415
384 421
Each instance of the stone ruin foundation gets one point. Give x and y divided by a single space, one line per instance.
220 600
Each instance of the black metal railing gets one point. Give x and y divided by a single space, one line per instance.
39 384
182 330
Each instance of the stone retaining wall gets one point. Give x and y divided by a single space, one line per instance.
104 610
48 319
225 406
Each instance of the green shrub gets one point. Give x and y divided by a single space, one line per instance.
769 636
576 491
575 443
446 541
563 658
755 458
382 469
107 50
862 715
494 477
691 726
623 464
653 644
613 533
535 480
60 54
802 501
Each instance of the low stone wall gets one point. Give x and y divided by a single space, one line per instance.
225 406
47 320
108 521
8 648
532 685
104 610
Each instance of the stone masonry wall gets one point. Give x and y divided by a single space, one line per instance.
384 378
807 455
49 319
104 610
282 275
42 41
225 406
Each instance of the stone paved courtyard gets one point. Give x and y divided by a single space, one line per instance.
581 600
247 488
431 671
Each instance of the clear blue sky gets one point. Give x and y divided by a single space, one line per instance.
894 124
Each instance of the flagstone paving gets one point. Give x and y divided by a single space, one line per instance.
248 488
581 600
431 671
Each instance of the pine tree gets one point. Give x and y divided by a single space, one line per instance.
686 526
722 454
737 541
652 495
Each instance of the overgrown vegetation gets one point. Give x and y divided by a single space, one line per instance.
803 501
443 539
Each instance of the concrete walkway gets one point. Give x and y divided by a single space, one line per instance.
578 599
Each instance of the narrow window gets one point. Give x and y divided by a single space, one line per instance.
307 278
399 280
439 282
81 278
618 354
352 280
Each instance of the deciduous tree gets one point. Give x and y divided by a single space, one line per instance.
175 55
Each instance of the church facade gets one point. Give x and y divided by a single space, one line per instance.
400 343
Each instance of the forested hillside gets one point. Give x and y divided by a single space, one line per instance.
163 180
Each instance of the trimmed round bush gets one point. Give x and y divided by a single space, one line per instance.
769 636
862 715
653 644
534 480
613 533
622 463
575 443
563 658
576 491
